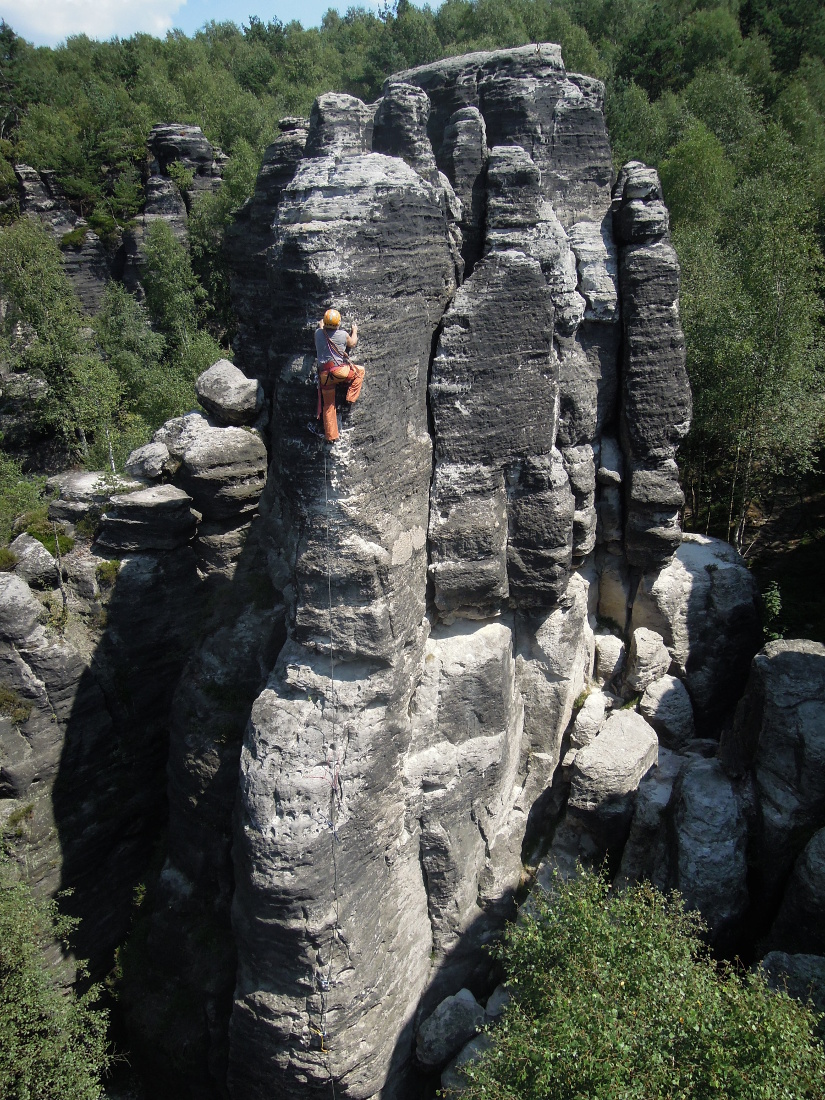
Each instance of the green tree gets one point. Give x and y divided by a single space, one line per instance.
174 296
44 335
616 998
176 303
52 1043
153 387
751 305
697 177
210 216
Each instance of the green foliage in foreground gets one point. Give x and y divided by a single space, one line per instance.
52 1044
616 997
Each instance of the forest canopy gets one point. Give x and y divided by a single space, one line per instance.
727 99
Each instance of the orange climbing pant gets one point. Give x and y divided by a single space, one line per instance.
329 377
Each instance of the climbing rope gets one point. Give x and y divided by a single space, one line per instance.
325 983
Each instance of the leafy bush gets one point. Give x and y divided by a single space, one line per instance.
82 391
616 997
19 494
40 528
107 572
74 238
52 1045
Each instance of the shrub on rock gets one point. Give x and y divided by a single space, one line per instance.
52 1045
615 996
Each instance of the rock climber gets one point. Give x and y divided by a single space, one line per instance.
332 342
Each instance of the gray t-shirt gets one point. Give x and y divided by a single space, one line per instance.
324 338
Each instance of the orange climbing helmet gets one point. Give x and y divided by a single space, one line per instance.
332 318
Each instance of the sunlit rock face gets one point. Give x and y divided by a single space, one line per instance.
376 733
440 623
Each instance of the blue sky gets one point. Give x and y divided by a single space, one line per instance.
48 22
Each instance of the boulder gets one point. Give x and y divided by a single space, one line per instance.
222 468
452 1079
800 923
611 462
35 564
151 462
588 720
711 842
705 605
226 393
779 731
800 976
497 1002
647 661
442 1035
610 658
82 493
613 765
19 609
666 705
158 518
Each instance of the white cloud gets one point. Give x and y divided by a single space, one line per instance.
47 22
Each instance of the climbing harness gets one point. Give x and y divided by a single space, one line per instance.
325 369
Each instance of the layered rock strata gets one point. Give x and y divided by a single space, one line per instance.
402 749
469 626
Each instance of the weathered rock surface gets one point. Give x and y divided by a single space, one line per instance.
89 263
666 705
365 744
801 976
171 142
711 838
158 518
656 405
151 461
648 853
226 393
799 925
647 661
389 237
612 765
35 564
779 731
610 659
222 468
442 1035
704 603
84 493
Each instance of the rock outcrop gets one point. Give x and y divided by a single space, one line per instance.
470 626
92 260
